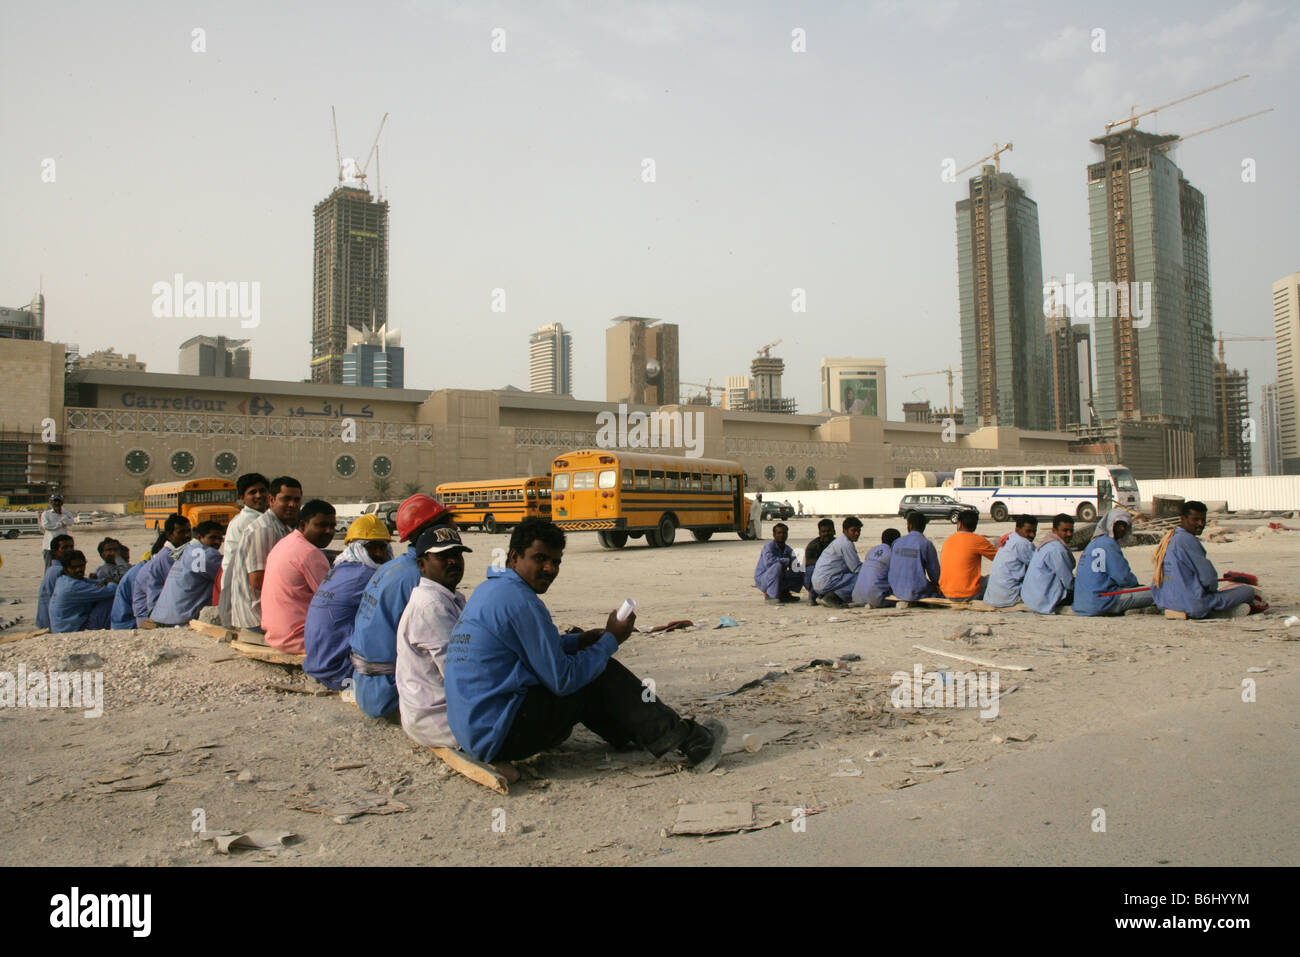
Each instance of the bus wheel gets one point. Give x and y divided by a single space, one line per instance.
998 512
604 542
702 536
667 531
616 539
489 525
12 533
1087 512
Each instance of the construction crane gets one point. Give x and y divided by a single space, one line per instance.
709 388
949 372
994 156
1221 385
373 154
1231 338
765 351
1217 126
1133 116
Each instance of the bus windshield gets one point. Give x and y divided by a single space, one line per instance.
209 496
1124 480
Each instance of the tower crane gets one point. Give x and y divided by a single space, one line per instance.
994 156
1133 116
765 351
949 372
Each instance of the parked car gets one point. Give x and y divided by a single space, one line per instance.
385 510
781 510
83 518
933 506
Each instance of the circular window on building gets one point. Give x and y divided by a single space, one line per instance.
182 462
226 463
810 474
346 466
382 466
790 473
769 473
137 461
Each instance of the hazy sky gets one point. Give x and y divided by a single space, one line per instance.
523 170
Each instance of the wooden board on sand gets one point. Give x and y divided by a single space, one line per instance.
5 639
972 604
476 771
267 654
219 632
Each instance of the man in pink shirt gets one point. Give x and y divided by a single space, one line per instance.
295 568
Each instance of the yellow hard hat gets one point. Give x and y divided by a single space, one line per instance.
368 528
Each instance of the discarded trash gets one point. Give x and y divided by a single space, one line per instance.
727 817
88 662
1293 620
673 626
746 686
166 654
343 807
726 621
850 657
244 777
752 743
765 733
260 840
849 772
1255 670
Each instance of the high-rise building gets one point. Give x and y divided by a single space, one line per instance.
1005 353
1064 354
375 359
109 360
1232 406
641 362
215 356
853 386
765 373
1081 332
1286 336
349 274
550 360
27 322
1269 440
1150 295
737 392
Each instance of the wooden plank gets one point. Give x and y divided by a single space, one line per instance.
269 655
1175 615
213 631
5 639
974 661
476 771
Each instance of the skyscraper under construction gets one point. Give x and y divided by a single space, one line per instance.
349 272
1148 227
1005 350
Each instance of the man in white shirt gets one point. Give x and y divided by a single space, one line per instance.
423 632
54 521
254 493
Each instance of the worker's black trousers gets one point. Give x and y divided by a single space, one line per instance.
616 705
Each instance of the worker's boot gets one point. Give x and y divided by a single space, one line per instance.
832 600
703 746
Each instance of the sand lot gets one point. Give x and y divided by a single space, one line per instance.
187 727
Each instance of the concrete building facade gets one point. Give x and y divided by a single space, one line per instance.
550 360
1286 336
854 386
641 362
215 356
1270 444
26 322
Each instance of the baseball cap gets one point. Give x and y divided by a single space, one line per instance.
56 497
440 538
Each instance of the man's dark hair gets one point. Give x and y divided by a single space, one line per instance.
68 559
1024 520
173 520
1062 519
248 480
207 528
536 530
968 518
58 540
1193 506
889 536
851 522
108 541
916 521
780 525
826 522
280 481
312 508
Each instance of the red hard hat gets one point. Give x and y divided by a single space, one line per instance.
417 511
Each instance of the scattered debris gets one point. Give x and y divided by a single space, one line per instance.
348 766
1255 670
244 777
259 840
167 654
851 656
726 621
87 662
314 692
131 782
343 807
728 817
849 772
974 661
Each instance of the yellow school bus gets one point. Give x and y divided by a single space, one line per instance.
621 495
199 500
496 503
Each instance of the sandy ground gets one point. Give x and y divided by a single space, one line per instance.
197 729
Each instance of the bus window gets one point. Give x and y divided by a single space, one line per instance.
673 481
1037 478
1084 478
1013 479
656 479
642 479
608 479
584 480
708 483
695 481
531 493
627 478
561 482
992 479
1058 478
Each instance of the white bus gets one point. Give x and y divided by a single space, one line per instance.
1045 490
13 524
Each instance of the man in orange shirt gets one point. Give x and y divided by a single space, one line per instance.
959 562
